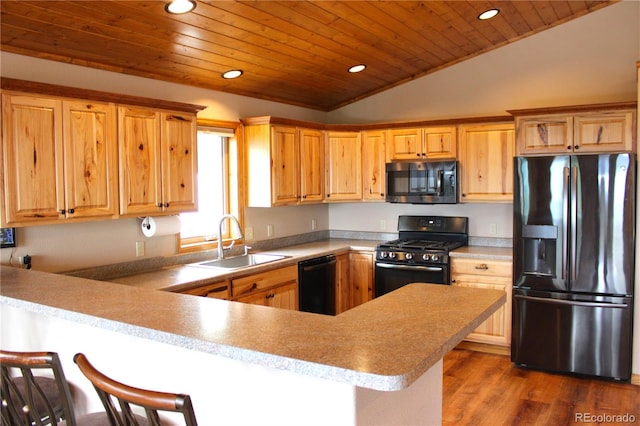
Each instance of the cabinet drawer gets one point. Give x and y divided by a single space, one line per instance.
498 268
253 283
219 290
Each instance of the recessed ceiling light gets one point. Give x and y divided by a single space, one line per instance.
178 7
488 14
357 68
232 74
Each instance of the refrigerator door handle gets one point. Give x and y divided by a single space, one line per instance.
574 225
573 302
565 221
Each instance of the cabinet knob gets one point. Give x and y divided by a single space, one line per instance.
72 211
166 204
160 205
63 211
576 147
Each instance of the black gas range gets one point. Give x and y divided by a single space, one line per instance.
421 252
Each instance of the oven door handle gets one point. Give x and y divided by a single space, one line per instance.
410 267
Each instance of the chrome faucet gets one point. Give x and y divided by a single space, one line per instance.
221 247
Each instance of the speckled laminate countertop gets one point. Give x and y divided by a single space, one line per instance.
183 277
415 326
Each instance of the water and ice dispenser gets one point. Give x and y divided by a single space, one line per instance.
540 247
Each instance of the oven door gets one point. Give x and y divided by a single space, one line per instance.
390 276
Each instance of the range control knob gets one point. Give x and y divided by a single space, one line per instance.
392 255
409 256
383 254
435 257
426 257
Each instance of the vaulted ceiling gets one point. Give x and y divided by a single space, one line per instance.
295 52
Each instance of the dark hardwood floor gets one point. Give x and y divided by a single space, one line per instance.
487 389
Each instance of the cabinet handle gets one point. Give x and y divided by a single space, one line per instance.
482 266
253 286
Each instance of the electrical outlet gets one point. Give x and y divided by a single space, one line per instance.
314 224
269 230
493 229
248 233
139 248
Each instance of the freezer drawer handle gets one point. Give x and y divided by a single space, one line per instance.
573 302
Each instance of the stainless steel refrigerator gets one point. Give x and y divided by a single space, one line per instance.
573 257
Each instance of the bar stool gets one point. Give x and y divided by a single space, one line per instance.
109 390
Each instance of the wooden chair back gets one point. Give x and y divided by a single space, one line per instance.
34 399
111 391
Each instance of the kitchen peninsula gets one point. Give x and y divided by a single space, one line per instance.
379 363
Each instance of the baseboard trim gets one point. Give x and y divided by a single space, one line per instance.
485 347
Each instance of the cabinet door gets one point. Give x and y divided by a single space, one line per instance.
544 135
405 144
178 152
343 163
361 274
283 297
91 159
440 142
486 163
285 168
497 328
33 159
373 165
311 166
140 175
604 132
343 294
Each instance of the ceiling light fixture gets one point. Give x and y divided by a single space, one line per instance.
177 7
232 74
357 68
488 14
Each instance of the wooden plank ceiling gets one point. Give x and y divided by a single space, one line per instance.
295 52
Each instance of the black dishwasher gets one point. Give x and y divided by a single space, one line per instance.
316 285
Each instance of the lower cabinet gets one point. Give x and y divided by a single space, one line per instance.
354 279
217 290
277 288
489 274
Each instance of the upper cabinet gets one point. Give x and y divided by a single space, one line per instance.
284 163
71 154
421 143
575 130
486 162
373 165
343 166
158 161
59 159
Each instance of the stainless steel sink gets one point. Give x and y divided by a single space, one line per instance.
238 262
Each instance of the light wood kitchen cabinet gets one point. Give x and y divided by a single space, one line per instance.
311 166
343 166
361 274
486 162
277 288
158 161
343 293
581 129
373 165
60 159
422 143
487 274
284 164
217 290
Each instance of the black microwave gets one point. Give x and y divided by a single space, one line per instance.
422 182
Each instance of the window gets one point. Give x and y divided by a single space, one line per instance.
218 183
